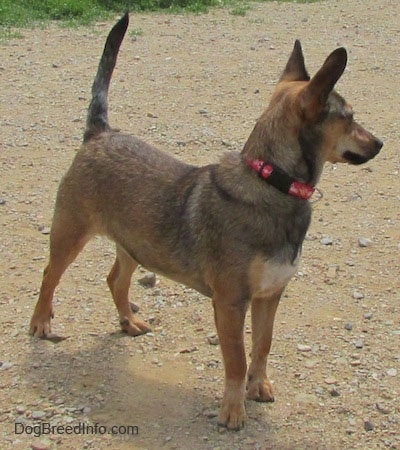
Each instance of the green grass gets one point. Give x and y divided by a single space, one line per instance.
22 13
16 14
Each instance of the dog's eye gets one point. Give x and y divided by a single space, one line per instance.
348 116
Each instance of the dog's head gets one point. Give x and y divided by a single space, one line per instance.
344 140
307 122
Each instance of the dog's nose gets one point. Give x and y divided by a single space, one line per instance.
378 144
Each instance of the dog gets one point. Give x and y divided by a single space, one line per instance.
231 230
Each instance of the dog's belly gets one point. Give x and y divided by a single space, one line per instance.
270 276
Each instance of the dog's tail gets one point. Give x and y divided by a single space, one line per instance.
97 118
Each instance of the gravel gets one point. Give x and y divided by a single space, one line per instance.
202 81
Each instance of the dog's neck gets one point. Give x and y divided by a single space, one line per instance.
276 177
297 156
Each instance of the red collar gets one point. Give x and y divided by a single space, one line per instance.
281 180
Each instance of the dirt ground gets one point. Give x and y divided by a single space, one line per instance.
194 86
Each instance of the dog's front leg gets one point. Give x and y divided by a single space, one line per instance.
229 320
263 311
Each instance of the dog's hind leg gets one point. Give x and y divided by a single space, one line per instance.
263 310
67 239
119 281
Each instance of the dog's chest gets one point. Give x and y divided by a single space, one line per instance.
269 276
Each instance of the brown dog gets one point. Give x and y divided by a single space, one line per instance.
232 230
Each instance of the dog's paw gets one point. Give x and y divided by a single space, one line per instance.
134 327
40 328
232 416
260 390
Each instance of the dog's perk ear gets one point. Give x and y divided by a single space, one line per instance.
315 95
295 69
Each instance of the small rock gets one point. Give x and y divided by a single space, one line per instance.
6 365
40 445
368 316
391 372
348 326
320 391
203 111
37 415
358 295
364 242
134 307
352 421
355 363
44 230
368 425
382 408
189 350
148 280
2 201
359 343
332 271
20 409
213 339
334 392
330 380
304 348
327 240
311 363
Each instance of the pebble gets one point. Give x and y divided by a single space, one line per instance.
382 408
327 240
334 392
368 425
359 343
304 348
368 316
20 409
40 445
311 363
330 380
348 326
212 339
332 271
364 242
44 230
37 415
358 295
134 307
148 280
189 350
6 365
391 372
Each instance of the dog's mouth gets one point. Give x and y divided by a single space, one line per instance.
355 158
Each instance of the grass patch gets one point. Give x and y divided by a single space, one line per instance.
30 13
240 10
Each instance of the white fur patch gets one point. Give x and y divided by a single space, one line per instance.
271 276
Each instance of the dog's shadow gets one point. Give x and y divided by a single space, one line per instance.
105 379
